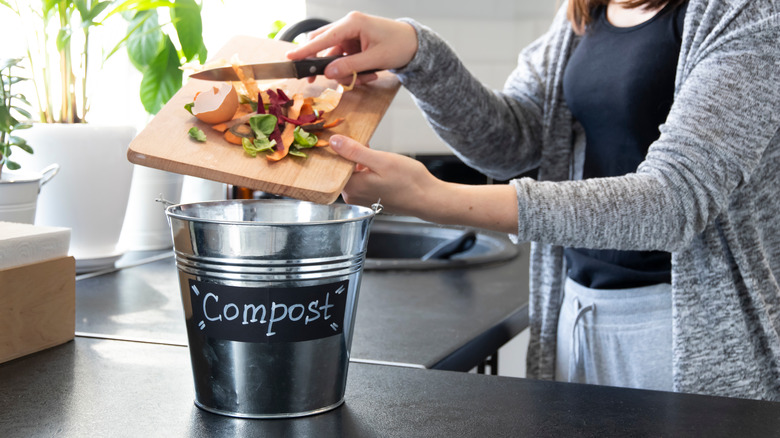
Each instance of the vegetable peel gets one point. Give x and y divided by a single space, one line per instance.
275 124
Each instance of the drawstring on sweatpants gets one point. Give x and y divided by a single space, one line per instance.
575 344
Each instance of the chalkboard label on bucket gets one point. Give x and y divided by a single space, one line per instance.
249 314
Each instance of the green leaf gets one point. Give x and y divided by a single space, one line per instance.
145 39
252 147
189 27
139 5
203 54
249 147
297 153
161 79
304 139
263 124
264 144
7 121
63 39
9 62
23 112
48 5
88 14
7 5
21 144
12 165
188 106
276 26
197 134
81 6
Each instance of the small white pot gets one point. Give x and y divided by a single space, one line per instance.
92 189
19 193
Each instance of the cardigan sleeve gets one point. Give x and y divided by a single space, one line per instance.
497 132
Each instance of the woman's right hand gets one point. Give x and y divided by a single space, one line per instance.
370 43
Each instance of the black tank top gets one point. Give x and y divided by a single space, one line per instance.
619 84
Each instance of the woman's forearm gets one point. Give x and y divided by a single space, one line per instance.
492 207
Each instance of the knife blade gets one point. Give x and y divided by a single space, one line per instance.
269 70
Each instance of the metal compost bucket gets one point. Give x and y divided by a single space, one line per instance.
269 289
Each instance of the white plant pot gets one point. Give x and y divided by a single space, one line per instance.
91 192
145 226
19 193
196 189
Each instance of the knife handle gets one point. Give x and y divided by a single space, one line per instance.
316 66
312 66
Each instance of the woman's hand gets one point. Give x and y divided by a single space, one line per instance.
406 187
370 43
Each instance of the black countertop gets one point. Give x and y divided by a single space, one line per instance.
446 318
102 388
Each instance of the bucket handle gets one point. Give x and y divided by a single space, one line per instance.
48 173
377 206
161 199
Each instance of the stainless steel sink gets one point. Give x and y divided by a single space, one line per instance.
402 243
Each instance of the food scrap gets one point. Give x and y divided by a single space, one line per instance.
215 105
275 124
197 134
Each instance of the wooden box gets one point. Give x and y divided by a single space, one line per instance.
37 306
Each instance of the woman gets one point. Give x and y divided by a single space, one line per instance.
695 219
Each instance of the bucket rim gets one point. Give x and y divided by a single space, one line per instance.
21 176
363 212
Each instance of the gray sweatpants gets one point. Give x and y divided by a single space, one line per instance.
616 337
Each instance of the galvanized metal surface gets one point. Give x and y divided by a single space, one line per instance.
269 258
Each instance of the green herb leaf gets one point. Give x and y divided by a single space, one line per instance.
197 134
264 144
263 124
188 106
304 139
252 147
249 148
297 152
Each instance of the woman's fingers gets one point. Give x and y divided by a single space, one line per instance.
370 43
326 37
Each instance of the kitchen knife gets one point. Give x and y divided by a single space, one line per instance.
270 70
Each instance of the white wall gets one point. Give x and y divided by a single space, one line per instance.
487 35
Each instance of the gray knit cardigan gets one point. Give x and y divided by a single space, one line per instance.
708 191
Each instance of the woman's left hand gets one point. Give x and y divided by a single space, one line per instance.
403 184
406 187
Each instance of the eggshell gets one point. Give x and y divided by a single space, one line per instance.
217 105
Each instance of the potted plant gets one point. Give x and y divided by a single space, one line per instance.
92 192
18 190
13 106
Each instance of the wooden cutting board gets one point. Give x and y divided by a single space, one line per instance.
165 143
